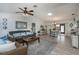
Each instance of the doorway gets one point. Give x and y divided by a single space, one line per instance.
62 28
34 27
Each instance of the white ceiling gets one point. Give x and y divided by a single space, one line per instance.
61 11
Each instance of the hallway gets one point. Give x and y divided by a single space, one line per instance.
53 46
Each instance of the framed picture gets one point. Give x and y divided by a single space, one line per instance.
21 25
4 23
71 25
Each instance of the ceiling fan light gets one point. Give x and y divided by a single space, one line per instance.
25 15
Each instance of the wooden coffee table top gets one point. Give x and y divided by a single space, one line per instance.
30 38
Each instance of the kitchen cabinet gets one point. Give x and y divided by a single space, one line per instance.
75 41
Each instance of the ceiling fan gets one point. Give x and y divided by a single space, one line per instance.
25 11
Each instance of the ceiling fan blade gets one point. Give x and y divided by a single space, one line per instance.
19 12
31 11
21 9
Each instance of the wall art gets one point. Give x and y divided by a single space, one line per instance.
4 23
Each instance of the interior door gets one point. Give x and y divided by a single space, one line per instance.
34 27
62 28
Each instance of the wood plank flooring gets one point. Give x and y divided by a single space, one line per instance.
53 46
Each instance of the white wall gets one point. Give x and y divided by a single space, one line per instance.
11 22
12 18
35 20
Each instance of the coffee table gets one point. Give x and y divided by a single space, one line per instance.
31 39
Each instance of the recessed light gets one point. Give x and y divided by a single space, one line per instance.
49 14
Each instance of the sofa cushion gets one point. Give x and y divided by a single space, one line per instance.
23 33
29 33
2 42
16 34
4 37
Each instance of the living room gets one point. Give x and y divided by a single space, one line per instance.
51 24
